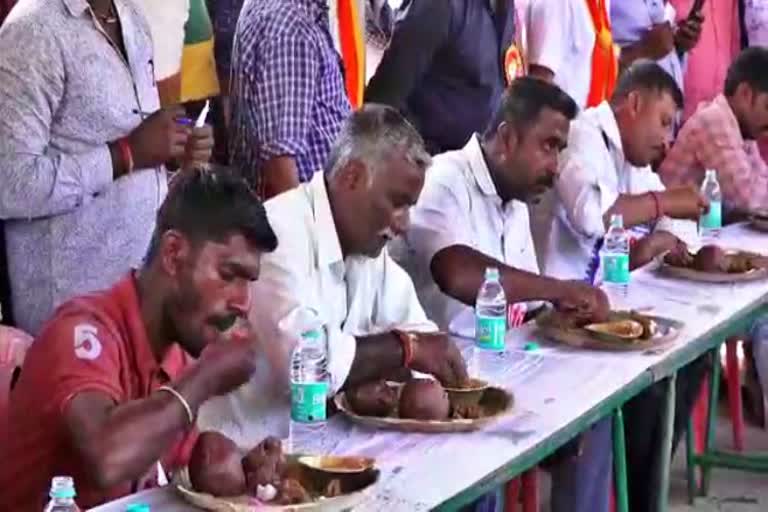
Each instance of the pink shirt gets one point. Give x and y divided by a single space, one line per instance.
711 139
708 62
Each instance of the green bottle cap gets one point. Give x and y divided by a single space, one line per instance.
531 346
137 507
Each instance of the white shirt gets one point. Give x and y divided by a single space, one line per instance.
593 174
561 38
356 296
166 20
459 205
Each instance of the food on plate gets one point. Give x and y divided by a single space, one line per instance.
626 329
214 466
374 398
264 465
711 258
292 493
680 256
424 399
466 412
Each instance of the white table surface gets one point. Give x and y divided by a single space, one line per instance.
553 386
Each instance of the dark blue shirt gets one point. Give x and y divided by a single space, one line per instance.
444 68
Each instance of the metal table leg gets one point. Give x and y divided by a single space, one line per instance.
668 421
620 462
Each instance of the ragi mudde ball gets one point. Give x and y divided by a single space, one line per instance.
424 399
374 398
711 258
215 467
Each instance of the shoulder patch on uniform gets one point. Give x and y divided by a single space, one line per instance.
87 344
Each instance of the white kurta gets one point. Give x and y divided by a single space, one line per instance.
356 296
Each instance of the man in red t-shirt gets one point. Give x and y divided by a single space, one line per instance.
109 388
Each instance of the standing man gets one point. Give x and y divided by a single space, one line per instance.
646 29
333 259
82 166
111 387
719 43
570 43
721 135
445 67
288 96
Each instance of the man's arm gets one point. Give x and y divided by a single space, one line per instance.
416 40
119 440
283 87
459 271
34 181
547 38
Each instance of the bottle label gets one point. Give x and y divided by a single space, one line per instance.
713 219
490 332
308 401
616 268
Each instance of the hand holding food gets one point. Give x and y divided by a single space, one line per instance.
436 354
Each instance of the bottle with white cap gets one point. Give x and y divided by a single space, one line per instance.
62 495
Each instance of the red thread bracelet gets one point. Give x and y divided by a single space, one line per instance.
657 201
407 339
127 154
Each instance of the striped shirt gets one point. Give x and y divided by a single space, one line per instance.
288 95
711 139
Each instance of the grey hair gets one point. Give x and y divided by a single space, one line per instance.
371 135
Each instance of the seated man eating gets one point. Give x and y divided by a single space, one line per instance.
604 171
332 260
473 214
109 390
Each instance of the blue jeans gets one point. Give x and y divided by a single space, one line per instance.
583 483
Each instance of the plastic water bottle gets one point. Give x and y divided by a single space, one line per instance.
711 222
490 324
62 495
615 262
310 384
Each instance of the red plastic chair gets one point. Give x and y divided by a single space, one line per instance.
525 486
736 411
13 348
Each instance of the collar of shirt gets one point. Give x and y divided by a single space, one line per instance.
727 115
479 167
328 245
76 7
127 300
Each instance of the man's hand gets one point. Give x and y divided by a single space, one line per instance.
659 41
688 33
199 147
159 139
437 355
583 301
683 203
228 364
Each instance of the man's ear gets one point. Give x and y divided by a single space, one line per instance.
509 136
353 175
175 250
635 103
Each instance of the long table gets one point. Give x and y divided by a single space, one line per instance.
559 392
